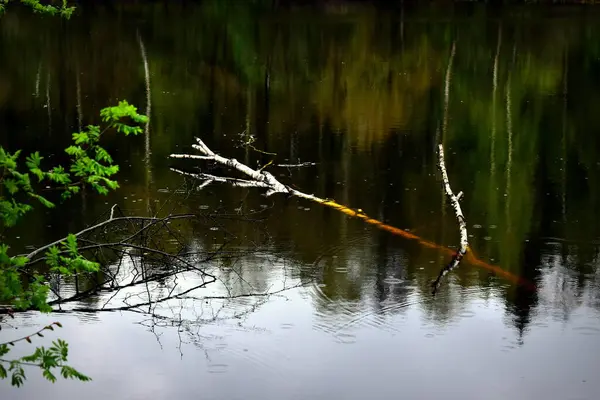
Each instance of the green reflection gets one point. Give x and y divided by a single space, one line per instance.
360 93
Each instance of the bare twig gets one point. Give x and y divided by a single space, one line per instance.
132 307
104 223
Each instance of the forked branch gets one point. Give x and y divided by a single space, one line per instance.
264 180
462 223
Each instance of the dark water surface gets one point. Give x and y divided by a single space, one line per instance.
366 94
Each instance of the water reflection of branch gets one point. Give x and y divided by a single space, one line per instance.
141 241
509 131
178 321
494 91
454 200
237 296
147 151
132 307
447 81
146 278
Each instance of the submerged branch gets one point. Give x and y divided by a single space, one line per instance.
208 179
108 221
454 200
138 238
264 179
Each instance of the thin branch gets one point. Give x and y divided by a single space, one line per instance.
37 333
462 223
104 223
208 179
132 307
299 165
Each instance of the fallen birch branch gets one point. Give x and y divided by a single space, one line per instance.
265 180
208 179
262 178
299 165
462 223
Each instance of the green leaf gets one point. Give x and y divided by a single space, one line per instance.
53 256
59 175
7 160
11 211
3 373
62 347
81 138
71 245
34 160
102 155
22 180
37 355
49 375
33 163
43 200
11 185
69 372
19 261
4 349
93 132
18 374
75 151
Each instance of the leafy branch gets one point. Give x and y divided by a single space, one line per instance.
64 10
22 287
47 359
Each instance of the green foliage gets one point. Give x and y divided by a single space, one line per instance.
47 359
64 10
21 286
73 262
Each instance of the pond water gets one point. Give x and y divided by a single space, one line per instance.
366 95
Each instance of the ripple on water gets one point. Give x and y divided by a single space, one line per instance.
345 338
218 368
467 314
263 358
324 327
507 348
87 317
371 319
392 281
509 344
221 346
587 330
286 326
